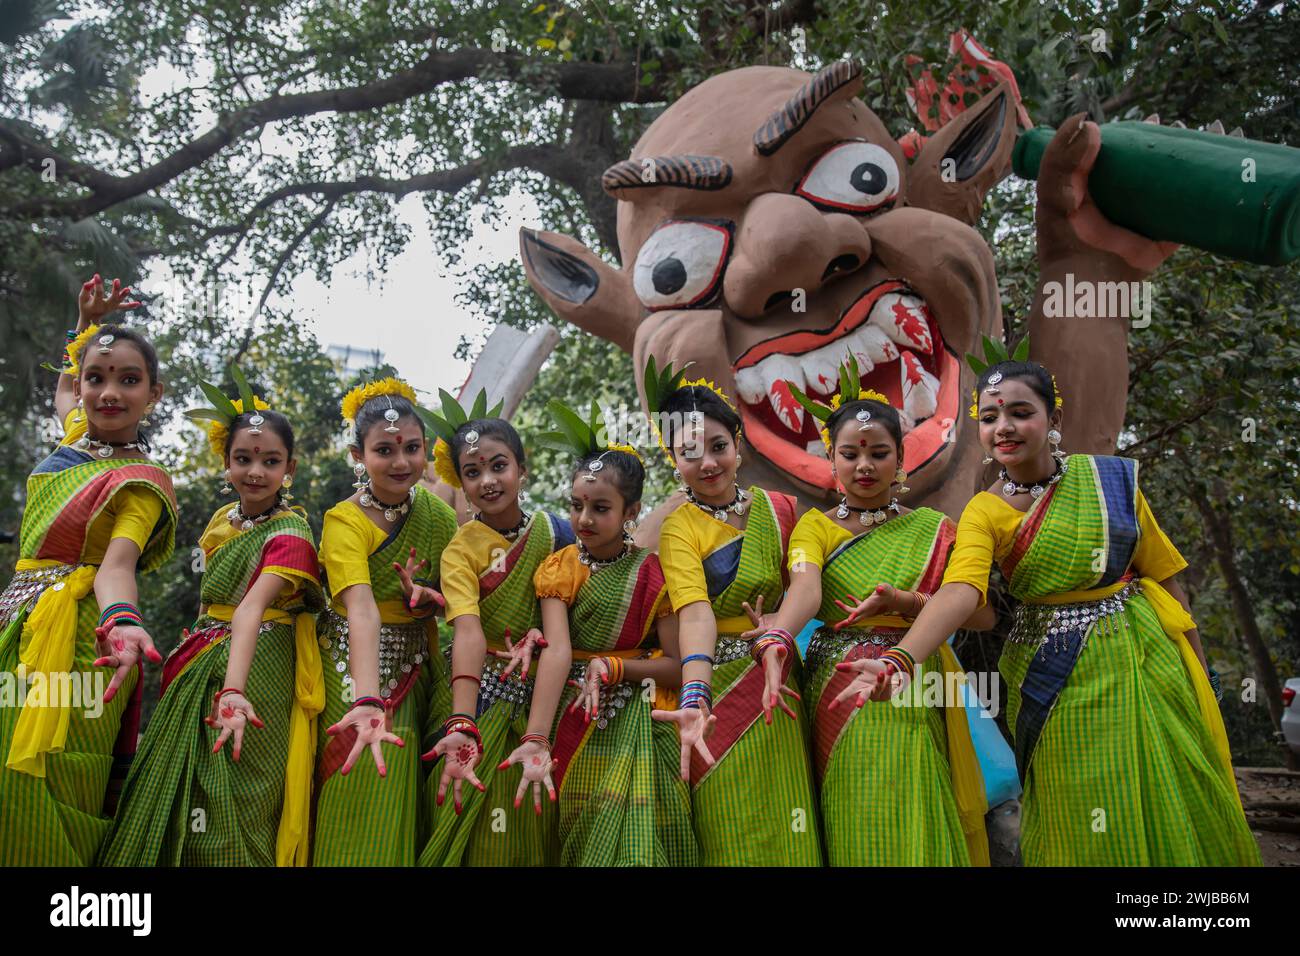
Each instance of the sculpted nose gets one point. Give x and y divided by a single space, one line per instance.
784 243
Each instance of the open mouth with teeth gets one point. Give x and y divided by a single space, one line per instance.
890 331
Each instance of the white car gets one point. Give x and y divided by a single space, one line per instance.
1291 715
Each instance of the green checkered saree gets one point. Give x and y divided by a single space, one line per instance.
59 819
1124 769
182 804
622 800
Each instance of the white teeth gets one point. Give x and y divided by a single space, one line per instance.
904 319
872 347
920 388
821 370
750 385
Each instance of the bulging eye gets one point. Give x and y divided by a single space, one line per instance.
681 264
854 176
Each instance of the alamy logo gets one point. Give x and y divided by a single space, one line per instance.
102 909
1091 300
71 689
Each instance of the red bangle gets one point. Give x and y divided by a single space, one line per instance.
228 690
477 680
540 738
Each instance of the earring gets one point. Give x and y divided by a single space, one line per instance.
359 469
148 410
988 460
284 488
225 485
900 479
1054 439
677 475
739 460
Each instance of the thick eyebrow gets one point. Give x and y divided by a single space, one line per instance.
1015 404
124 368
474 461
799 109
265 452
679 172
874 445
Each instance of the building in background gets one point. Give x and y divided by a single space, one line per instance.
351 360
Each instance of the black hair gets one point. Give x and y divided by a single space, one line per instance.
886 415
124 333
1031 373
624 469
372 412
272 420
682 401
497 428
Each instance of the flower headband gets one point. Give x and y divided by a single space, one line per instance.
850 384
355 399
995 353
583 438
224 411
444 426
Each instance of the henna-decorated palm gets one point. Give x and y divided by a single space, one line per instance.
371 725
521 653
419 597
775 689
756 617
534 758
462 754
879 601
871 681
121 647
693 728
93 303
231 714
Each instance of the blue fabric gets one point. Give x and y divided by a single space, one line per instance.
562 530
1118 480
721 566
65 456
1044 680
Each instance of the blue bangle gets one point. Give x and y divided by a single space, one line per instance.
697 657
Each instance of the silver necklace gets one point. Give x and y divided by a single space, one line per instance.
866 516
1038 488
104 449
245 522
739 504
595 563
509 533
391 512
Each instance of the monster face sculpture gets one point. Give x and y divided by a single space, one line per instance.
769 225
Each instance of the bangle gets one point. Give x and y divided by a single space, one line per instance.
539 738
900 660
697 694
613 670
368 702
228 690
120 612
464 724
477 680
774 637
697 657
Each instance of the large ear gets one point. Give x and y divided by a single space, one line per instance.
580 287
965 159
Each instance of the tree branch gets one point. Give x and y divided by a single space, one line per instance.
611 82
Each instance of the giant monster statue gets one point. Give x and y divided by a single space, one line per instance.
768 223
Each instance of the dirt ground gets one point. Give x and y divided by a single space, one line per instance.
1271 798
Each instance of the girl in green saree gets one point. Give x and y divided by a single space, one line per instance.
254 640
378 638
1118 737
723 553
898 785
98 513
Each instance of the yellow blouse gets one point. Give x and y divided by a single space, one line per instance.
987 531
467 556
813 539
686 538
131 513
347 539
220 530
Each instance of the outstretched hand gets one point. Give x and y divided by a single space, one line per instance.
521 653
693 729
419 597
536 761
879 601
371 725
872 680
762 622
121 646
462 754
93 303
231 714
775 690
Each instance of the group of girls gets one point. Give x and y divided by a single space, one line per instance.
588 701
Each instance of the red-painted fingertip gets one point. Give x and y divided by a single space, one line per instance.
101 661
109 695
502 766
481 788
383 771
830 705
538 808
216 747
399 742
861 700
518 802
235 755
440 799
259 724
458 809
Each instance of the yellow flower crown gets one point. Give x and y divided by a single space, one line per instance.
77 346
864 394
354 399
217 431
613 446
